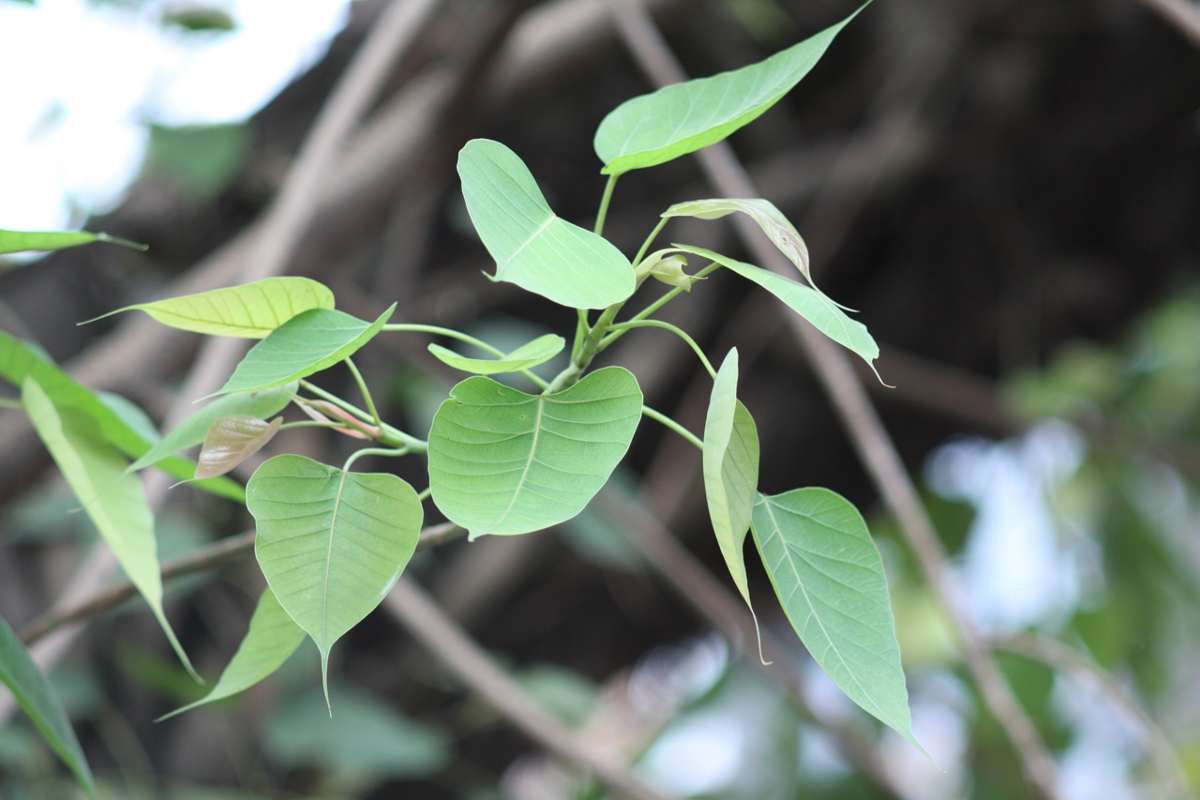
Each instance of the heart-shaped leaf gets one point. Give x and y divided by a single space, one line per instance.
829 578
307 343
42 241
815 307
528 355
270 640
730 467
36 698
505 462
231 440
685 117
192 430
113 498
532 246
20 360
251 310
331 543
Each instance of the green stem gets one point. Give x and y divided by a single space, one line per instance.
387 434
666 326
662 418
366 393
372 451
423 496
641 253
466 338
657 304
311 423
605 199
8 402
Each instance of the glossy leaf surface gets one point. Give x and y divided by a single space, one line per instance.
251 310
36 698
829 578
815 307
20 360
307 343
505 462
528 355
531 245
684 117
113 498
271 638
330 543
192 430
730 468
231 440
44 241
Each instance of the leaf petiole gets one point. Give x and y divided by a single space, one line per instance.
388 435
366 393
666 326
663 419
466 338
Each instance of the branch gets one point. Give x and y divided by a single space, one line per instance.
417 612
1183 15
870 439
215 555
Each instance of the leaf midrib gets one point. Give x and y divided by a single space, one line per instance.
337 505
537 430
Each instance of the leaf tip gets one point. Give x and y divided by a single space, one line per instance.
141 247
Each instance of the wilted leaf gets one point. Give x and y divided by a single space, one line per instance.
113 499
192 430
528 355
805 301
307 343
505 462
36 698
231 440
666 266
270 640
252 310
42 241
829 578
532 246
330 543
685 117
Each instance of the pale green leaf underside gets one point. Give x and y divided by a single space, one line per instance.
763 213
730 469
192 430
271 638
43 241
533 247
815 307
684 117
330 543
307 343
505 462
829 578
20 360
113 499
36 698
528 355
251 310
232 440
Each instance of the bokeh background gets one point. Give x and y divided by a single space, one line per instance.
1008 192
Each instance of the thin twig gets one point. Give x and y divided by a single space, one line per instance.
215 555
870 438
426 621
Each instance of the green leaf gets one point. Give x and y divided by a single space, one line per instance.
252 310
331 543
192 430
307 343
730 467
20 360
36 697
685 117
42 241
762 213
231 440
270 640
528 355
805 301
829 578
113 499
666 266
505 462
533 247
